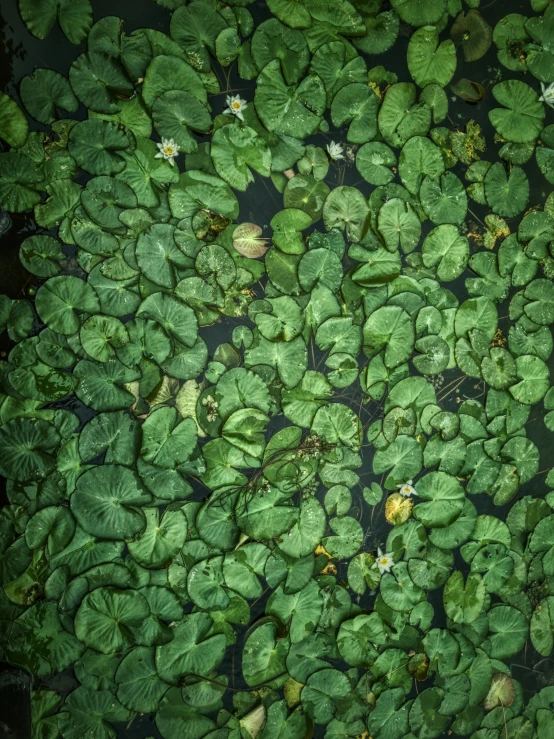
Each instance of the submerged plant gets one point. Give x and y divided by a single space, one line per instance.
329 515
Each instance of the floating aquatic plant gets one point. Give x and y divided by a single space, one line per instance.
334 521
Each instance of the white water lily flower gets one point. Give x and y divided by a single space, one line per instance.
335 150
407 489
168 149
384 562
547 94
235 106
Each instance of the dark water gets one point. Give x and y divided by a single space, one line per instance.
21 53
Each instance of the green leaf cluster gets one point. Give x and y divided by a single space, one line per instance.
326 516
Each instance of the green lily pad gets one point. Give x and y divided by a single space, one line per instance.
107 501
108 618
429 61
44 93
234 150
176 113
418 12
521 118
287 109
